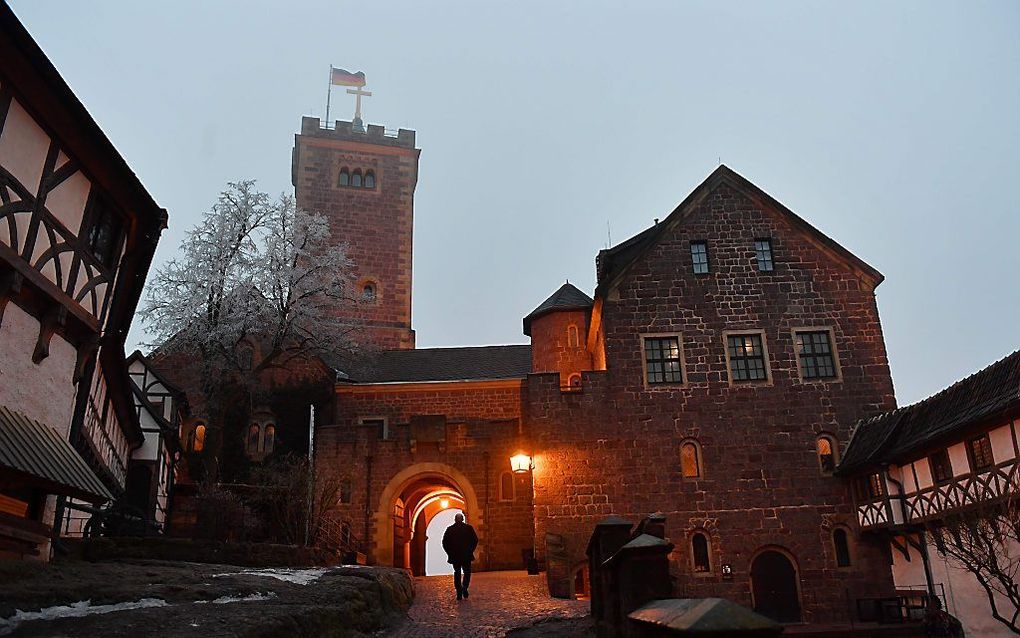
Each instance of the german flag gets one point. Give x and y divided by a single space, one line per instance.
341 77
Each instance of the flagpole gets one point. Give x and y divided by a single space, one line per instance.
329 92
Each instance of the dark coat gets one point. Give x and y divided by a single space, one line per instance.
460 542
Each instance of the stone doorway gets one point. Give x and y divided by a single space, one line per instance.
774 586
411 500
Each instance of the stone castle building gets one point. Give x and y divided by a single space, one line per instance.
714 376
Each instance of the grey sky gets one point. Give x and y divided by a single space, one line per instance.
892 127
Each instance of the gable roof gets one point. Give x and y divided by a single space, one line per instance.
885 438
567 297
144 360
483 363
613 263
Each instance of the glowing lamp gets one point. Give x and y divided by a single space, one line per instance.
444 503
520 463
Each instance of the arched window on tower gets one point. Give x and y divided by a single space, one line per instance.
369 179
198 438
368 292
574 381
269 439
506 486
345 177
828 451
572 338
690 459
254 436
841 542
699 553
356 178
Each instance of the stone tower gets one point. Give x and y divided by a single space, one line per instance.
364 183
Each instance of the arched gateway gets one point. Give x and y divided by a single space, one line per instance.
411 498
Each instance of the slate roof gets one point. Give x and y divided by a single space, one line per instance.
887 437
567 297
613 262
30 447
446 364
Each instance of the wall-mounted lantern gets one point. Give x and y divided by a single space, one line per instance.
521 463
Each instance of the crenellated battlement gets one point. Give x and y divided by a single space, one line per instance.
343 130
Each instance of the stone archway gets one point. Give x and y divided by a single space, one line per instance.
406 496
775 585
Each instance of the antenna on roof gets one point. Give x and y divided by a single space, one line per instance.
609 234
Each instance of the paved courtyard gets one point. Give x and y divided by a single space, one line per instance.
499 601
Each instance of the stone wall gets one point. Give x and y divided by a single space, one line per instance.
374 225
476 430
552 349
614 448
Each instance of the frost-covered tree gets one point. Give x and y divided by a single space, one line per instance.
258 271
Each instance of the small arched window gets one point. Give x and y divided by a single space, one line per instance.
827 453
356 178
506 486
198 440
254 434
346 490
368 292
700 554
574 381
269 439
841 542
572 340
345 177
690 459
369 179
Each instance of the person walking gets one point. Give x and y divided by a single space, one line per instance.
460 542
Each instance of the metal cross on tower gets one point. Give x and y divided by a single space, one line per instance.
358 124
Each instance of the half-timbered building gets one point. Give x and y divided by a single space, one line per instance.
919 467
77 235
160 409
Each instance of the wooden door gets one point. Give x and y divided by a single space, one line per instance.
774 586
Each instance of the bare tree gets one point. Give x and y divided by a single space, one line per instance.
984 540
253 270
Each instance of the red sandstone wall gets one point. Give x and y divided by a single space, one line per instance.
481 435
615 447
551 350
375 225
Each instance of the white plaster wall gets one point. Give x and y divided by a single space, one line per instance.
67 201
965 598
958 458
43 391
149 451
23 147
1001 439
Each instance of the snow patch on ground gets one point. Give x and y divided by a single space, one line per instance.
75 610
222 600
298 576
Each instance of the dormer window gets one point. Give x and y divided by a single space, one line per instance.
345 177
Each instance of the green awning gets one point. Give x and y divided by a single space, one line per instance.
37 451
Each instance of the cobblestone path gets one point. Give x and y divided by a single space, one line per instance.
499 601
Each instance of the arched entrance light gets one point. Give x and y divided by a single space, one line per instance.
521 463
444 503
